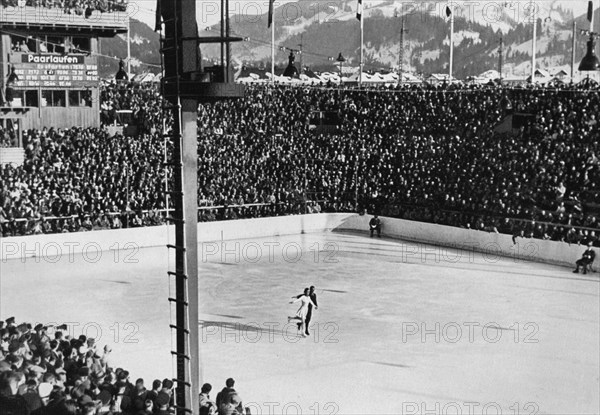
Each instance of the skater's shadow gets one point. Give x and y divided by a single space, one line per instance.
399 365
228 316
335 291
225 328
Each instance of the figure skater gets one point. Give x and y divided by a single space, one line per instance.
313 296
305 301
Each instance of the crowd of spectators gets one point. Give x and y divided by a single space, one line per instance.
144 100
8 137
84 177
422 153
44 370
79 7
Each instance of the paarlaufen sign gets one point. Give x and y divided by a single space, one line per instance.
58 59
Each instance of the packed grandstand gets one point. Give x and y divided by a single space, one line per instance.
429 154
79 7
46 370
432 154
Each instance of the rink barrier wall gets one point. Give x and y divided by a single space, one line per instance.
491 244
64 244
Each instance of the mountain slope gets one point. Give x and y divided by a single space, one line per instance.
144 51
326 29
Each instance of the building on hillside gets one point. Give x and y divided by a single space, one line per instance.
49 62
439 78
541 77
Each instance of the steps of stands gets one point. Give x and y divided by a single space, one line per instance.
12 155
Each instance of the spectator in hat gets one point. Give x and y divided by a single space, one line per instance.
83 373
123 381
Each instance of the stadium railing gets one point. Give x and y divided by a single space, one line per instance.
162 214
522 222
288 209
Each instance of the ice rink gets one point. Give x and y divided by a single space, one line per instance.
401 328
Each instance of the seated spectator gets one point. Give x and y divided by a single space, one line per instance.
375 226
586 260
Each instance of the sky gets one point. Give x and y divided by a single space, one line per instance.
207 11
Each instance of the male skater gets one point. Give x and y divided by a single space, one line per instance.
313 296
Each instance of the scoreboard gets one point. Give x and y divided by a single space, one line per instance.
55 71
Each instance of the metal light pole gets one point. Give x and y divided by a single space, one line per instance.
401 52
590 61
127 209
128 47
184 85
301 46
501 58
356 183
166 168
341 61
451 65
305 186
533 49
573 50
228 44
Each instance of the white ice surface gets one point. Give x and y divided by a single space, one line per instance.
361 358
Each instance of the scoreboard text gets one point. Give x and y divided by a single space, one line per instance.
55 71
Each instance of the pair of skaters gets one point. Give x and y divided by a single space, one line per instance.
307 300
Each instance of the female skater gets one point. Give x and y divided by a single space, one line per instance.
303 310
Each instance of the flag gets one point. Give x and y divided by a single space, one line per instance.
590 15
271 12
448 11
359 10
